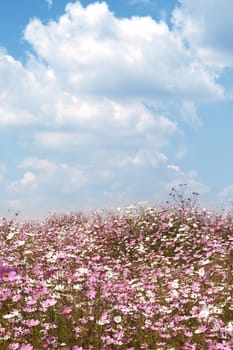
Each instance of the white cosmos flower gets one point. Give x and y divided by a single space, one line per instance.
13 314
20 243
10 235
229 327
51 257
77 286
109 274
205 311
201 272
60 287
117 319
175 284
205 262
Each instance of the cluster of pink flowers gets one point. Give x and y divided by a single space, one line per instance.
158 278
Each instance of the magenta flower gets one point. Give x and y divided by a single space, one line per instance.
48 302
31 323
66 310
7 273
26 347
91 294
13 346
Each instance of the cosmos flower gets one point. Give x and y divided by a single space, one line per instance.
13 346
31 323
7 273
66 310
48 302
26 347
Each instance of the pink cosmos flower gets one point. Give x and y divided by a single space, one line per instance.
16 298
48 302
13 346
188 334
26 347
7 273
91 294
200 329
32 323
66 310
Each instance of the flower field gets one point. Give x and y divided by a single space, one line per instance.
152 278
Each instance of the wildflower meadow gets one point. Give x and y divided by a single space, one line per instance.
143 278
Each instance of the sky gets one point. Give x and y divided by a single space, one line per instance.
110 104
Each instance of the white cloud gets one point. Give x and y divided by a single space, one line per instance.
90 67
174 167
52 176
36 163
225 198
53 140
227 193
207 27
24 98
116 124
189 113
28 180
92 52
145 157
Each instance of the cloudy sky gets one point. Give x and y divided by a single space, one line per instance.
107 104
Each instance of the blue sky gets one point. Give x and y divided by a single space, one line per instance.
107 104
